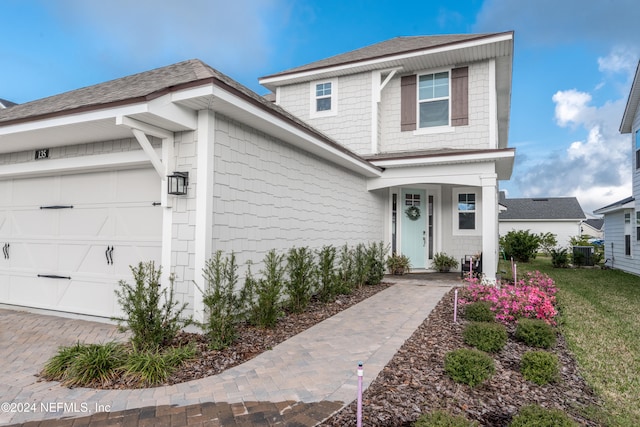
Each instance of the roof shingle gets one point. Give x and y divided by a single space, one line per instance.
547 208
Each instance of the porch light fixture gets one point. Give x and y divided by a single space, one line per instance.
177 183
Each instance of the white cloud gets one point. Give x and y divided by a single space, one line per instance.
619 60
571 107
596 169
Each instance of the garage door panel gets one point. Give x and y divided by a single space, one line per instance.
85 222
40 191
34 222
87 296
143 222
33 256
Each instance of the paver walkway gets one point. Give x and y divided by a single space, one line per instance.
300 382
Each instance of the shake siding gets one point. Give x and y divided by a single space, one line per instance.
351 126
475 135
270 195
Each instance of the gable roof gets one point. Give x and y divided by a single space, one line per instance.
142 89
543 208
632 103
383 49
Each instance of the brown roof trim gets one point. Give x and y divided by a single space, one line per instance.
297 70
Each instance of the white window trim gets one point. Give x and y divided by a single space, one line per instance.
454 211
432 129
334 99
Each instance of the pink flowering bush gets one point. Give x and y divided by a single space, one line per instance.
532 297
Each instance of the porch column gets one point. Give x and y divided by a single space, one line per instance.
204 205
489 226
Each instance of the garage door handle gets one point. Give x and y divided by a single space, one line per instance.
57 207
109 254
5 250
54 276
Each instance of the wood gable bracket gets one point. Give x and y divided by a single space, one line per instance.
140 131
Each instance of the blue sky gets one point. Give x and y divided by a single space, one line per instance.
573 62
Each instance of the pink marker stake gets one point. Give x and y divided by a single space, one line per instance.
455 307
359 413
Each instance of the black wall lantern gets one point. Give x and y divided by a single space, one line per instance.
177 183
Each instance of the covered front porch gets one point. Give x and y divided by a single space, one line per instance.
444 204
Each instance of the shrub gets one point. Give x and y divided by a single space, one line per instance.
301 283
522 245
94 364
532 297
559 258
479 311
56 368
150 368
398 264
360 265
537 416
548 241
443 262
375 254
328 280
224 306
266 308
535 333
443 419
346 275
468 366
153 323
539 367
485 336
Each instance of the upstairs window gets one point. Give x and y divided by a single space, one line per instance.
433 97
323 98
434 100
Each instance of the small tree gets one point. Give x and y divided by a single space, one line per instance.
153 315
224 306
302 278
522 245
548 242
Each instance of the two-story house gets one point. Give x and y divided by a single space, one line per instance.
622 218
433 113
403 141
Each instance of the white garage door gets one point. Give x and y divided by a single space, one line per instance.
67 240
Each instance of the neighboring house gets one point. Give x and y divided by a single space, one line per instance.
562 216
402 142
622 218
593 227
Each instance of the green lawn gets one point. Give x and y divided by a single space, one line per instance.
600 319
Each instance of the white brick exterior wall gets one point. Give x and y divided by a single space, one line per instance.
473 136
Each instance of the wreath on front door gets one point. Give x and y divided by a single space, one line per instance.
413 212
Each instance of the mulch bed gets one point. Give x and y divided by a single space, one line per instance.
414 382
251 341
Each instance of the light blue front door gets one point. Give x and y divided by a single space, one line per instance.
414 226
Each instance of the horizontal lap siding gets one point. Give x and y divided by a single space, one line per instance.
271 195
